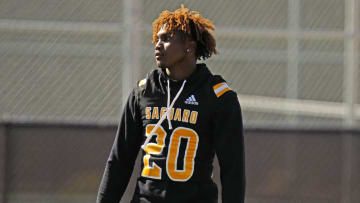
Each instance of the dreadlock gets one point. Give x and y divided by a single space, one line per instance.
193 25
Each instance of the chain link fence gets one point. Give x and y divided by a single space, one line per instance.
293 63
67 60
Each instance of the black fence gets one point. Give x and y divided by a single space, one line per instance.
47 162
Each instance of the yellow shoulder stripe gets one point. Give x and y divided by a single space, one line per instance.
220 89
142 82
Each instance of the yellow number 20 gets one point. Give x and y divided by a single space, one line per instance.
154 171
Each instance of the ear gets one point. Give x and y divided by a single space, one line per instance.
191 45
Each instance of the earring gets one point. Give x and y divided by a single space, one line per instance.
187 50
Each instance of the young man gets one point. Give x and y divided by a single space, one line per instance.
180 116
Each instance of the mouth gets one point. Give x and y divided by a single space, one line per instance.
158 55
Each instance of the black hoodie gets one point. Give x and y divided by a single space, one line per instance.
177 162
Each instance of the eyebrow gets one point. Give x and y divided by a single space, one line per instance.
162 33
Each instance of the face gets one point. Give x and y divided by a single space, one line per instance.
169 50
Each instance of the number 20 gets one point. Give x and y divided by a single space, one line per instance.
154 171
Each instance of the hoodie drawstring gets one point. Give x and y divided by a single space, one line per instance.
166 114
168 104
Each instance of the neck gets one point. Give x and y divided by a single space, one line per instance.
181 71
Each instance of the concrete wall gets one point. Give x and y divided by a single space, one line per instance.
2 162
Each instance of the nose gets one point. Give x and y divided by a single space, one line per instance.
158 45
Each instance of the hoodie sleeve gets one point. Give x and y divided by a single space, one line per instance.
229 147
123 154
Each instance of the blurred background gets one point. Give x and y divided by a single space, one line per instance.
67 66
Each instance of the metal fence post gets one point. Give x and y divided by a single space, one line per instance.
351 61
130 46
351 65
293 50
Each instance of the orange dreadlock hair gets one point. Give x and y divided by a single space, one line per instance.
193 25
